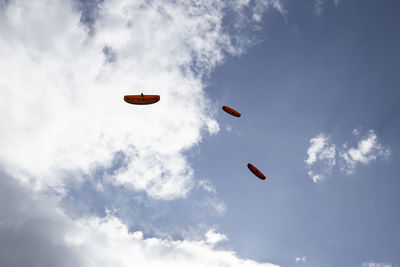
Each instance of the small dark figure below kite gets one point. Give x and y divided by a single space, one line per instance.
141 99
255 171
231 111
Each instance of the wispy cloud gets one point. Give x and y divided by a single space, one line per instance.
301 259
207 186
337 2
376 264
319 5
323 155
367 150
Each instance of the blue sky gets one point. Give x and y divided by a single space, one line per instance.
328 73
109 183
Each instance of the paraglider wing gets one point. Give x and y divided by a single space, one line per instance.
255 171
141 99
231 111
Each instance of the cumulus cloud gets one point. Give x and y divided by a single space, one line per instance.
321 149
162 176
68 103
61 98
213 237
35 232
65 72
367 150
322 155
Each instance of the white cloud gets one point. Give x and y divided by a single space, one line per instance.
321 149
321 157
375 264
213 237
301 259
207 186
356 132
63 118
231 129
368 150
61 96
107 242
34 232
315 176
162 176
218 205
260 6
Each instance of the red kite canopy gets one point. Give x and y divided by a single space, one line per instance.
255 171
231 111
141 99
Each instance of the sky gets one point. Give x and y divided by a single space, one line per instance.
89 180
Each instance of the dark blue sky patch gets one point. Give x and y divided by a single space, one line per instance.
110 54
4 3
89 11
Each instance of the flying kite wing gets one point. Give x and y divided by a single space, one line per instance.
255 171
231 111
141 99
